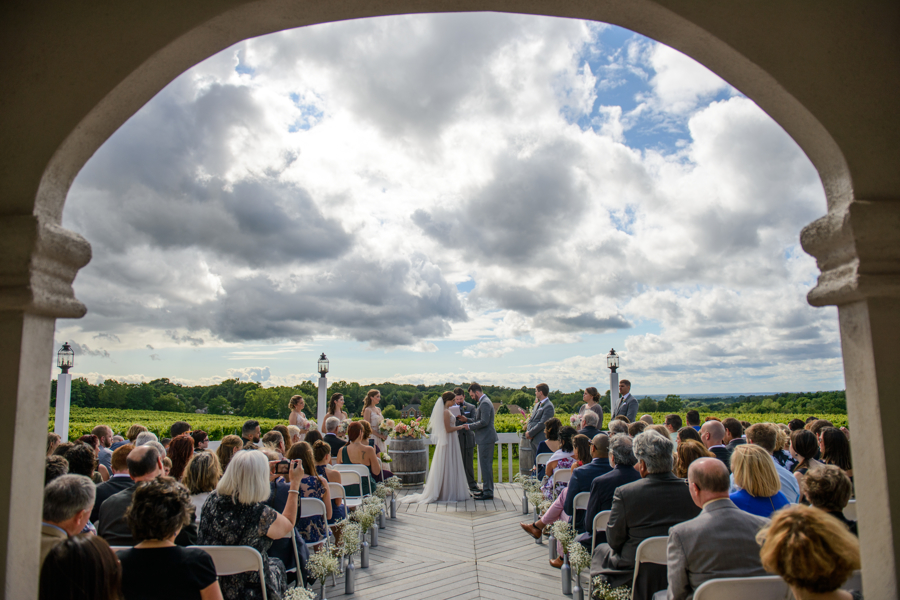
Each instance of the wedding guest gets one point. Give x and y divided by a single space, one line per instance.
167 466
331 437
145 437
688 433
693 419
68 501
180 452
165 443
201 476
592 403
118 481
589 424
312 485
228 447
93 442
835 449
250 433
549 444
274 441
812 552
673 424
134 431
686 453
622 461
829 489
235 515
285 435
314 436
734 433
804 448
359 453
582 450
660 429
372 414
104 433
179 428
618 427
52 442
712 434
201 440
648 419
636 428
159 510
795 425
82 567
322 456
82 461
54 467
755 475
818 425
297 418
584 476
765 435
564 458
782 454
294 434
336 407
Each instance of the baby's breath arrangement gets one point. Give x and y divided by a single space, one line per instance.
579 559
544 506
602 591
366 514
322 564
527 482
350 532
381 491
392 483
299 593
564 533
535 497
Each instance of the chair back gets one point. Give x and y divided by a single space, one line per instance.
651 550
562 475
311 507
120 548
543 458
362 470
600 521
292 534
581 501
850 511
744 588
336 490
231 560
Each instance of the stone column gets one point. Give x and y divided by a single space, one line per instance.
40 261
857 247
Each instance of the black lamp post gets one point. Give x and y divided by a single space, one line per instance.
612 360
323 365
65 358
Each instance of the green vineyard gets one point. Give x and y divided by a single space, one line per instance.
83 420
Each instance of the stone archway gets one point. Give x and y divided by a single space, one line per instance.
829 78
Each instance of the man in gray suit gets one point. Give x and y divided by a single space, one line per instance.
719 543
542 412
628 404
466 438
485 438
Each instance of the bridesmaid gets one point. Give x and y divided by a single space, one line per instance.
372 414
336 408
297 418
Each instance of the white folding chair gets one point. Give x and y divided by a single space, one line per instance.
231 560
651 550
850 511
351 478
310 507
600 521
560 475
581 501
293 536
362 470
770 587
542 458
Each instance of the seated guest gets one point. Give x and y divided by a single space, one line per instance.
82 567
812 552
55 466
623 418
165 443
144 464
250 433
712 434
835 449
765 435
201 440
367 434
636 428
673 424
757 480
274 441
734 433
235 515
145 437
68 501
829 489
331 438
795 425
804 448
53 441
564 458
359 452
693 419
659 428
228 447
550 443
648 419
322 456
818 425
584 476
686 453
782 454
94 442
618 427
643 509
156 567
83 461
294 434
312 485
131 435
589 424
279 494
688 433
167 466
104 433
118 481
622 461
201 476
179 428
313 436
286 436
181 449
720 542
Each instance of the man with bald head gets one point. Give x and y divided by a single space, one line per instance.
720 542
584 476
712 434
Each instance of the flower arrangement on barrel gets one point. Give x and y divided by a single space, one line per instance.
414 431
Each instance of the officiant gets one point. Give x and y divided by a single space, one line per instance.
466 437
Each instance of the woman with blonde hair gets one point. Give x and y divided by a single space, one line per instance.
294 434
813 552
228 447
201 476
285 436
372 414
754 473
686 453
297 418
53 441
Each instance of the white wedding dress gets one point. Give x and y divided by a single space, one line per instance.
446 481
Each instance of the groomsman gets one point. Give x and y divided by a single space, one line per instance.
466 437
628 404
543 412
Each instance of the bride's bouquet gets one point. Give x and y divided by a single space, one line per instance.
414 430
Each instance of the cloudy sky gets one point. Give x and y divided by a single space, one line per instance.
433 198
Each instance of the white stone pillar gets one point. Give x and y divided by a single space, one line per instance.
63 398
613 393
322 406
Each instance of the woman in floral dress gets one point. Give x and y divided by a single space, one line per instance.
564 458
312 485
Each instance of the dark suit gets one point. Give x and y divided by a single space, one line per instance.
467 445
735 443
723 454
335 442
115 485
628 406
602 490
640 510
114 528
719 543
581 481
590 432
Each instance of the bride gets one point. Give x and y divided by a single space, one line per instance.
446 480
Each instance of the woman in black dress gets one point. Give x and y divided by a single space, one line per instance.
235 515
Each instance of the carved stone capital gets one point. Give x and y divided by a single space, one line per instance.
39 263
857 252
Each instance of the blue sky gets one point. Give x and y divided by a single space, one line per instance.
436 198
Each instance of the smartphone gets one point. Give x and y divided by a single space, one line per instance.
282 467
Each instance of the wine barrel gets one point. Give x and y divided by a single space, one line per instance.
410 460
526 460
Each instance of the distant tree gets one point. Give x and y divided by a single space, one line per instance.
219 406
647 405
523 399
503 410
169 403
672 404
390 412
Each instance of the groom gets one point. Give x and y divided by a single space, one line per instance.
485 438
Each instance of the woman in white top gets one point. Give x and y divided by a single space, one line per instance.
372 414
297 418
201 476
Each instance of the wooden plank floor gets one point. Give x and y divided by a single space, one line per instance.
465 551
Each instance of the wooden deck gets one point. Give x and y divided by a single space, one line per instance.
465 551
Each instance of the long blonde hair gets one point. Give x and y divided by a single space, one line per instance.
370 398
754 471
